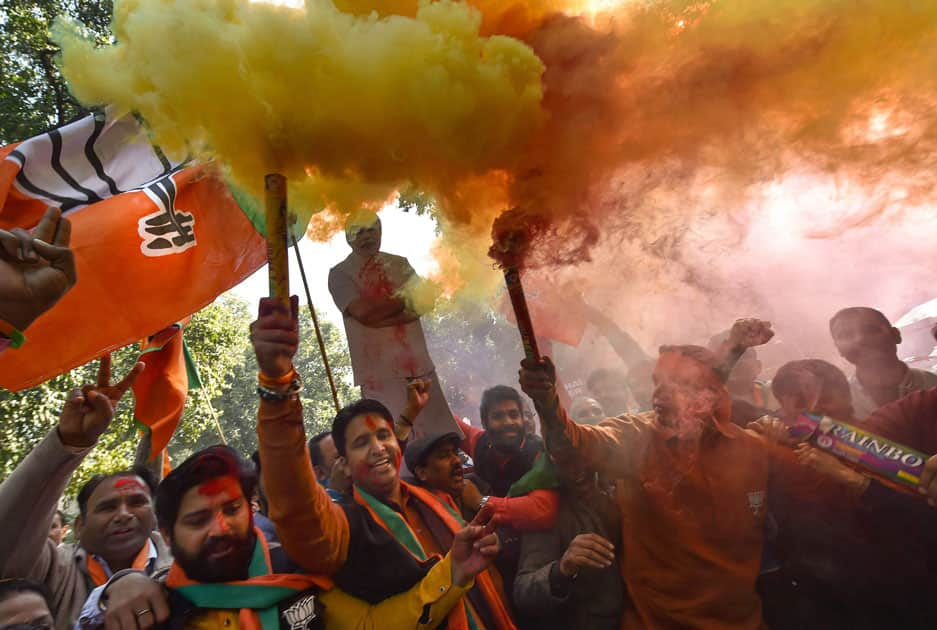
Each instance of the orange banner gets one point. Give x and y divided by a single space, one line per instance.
160 391
154 242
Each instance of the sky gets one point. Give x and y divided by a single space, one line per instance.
404 234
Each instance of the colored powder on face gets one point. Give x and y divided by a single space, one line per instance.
128 484
219 485
375 422
362 471
221 521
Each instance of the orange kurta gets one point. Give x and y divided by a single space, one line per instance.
692 516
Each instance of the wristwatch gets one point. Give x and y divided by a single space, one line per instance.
483 503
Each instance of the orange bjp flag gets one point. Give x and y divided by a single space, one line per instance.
161 390
155 240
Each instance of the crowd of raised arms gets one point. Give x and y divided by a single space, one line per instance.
675 496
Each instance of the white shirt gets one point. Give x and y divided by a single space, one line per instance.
378 354
863 403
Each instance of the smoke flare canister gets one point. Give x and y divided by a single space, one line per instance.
894 464
512 278
277 245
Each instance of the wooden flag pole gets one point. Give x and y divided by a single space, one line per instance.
315 323
277 242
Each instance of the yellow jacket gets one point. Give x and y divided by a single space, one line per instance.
344 612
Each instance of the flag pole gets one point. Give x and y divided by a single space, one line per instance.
277 248
315 323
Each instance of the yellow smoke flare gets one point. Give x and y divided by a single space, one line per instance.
633 121
351 106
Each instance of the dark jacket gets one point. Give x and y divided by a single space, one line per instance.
547 599
500 474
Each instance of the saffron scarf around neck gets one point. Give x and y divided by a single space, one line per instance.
257 597
460 617
99 575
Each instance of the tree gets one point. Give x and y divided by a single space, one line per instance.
473 349
217 338
238 406
33 94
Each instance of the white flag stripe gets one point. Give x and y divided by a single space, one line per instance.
122 149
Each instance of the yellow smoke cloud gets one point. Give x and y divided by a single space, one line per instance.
347 107
631 125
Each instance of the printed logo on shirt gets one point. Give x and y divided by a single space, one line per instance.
756 501
301 614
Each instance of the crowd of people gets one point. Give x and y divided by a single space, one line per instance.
674 496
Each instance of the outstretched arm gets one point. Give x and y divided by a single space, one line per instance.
313 530
535 511
608 448
28 497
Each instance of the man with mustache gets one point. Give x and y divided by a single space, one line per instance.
227 574
390 532
114 528
436 464
691 487
864 337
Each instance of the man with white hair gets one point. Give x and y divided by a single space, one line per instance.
373 291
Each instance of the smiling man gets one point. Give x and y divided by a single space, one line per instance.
115 526
227 574
390 533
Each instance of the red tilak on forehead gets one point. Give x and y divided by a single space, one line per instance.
128 483
374 422
219 485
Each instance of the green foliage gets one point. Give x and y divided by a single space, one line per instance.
415 200
473 349
218 340
240 428
33 94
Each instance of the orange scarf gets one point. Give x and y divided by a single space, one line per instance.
258 594
99 575
458 617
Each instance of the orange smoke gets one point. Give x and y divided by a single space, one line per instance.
664 112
